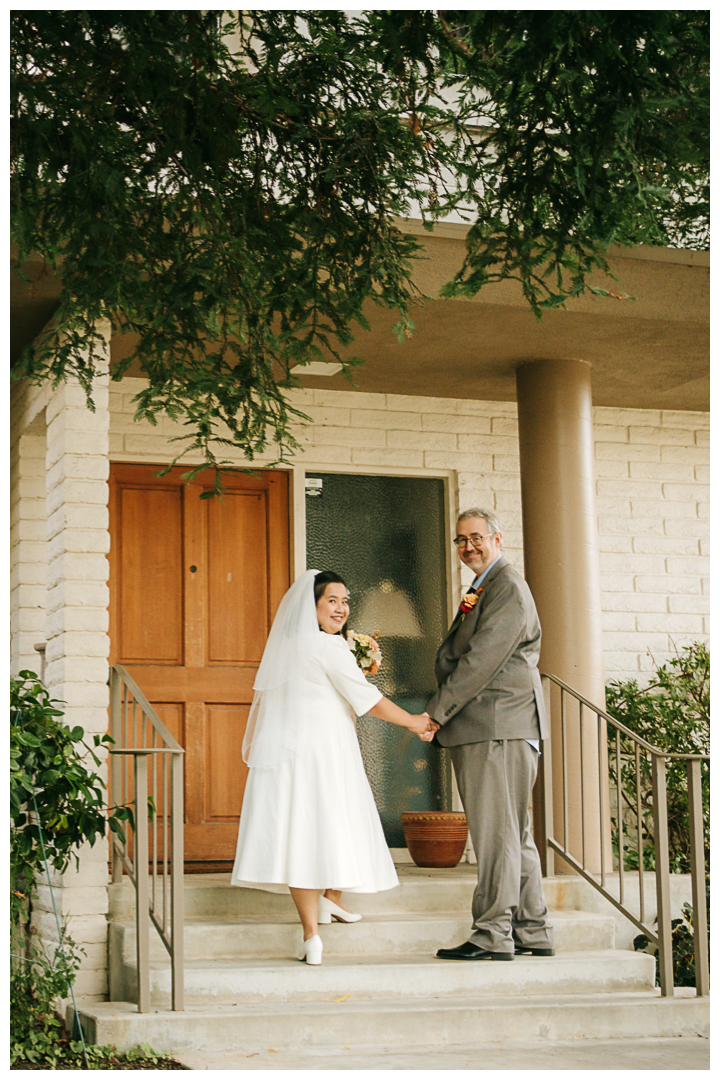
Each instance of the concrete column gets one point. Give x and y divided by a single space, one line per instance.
76 631
563 571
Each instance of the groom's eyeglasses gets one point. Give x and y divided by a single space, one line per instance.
475 540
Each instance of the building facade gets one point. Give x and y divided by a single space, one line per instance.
112 563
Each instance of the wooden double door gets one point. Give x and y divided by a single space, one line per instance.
194 586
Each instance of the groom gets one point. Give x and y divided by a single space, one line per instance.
491 713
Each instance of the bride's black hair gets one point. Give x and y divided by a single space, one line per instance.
324 578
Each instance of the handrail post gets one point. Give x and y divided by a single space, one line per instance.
177 884
142 855
547 853
137 742
116 766
662 875
697 868
40 649
658 836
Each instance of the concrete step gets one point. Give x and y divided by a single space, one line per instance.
211 896
390 934
471 1020
393 978
628 1054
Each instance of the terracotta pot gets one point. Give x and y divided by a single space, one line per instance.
435 837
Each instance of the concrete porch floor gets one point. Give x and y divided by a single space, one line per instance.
611 1055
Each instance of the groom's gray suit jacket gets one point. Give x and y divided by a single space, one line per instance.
487 667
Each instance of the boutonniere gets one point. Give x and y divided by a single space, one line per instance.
468 602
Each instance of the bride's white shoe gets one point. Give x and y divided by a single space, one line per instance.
311 950
327 911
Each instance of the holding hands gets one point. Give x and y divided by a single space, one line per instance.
425 727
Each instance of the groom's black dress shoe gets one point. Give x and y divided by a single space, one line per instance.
470 951
531 950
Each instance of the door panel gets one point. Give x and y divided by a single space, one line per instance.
172 716
224 783
194 585
237 608
150 575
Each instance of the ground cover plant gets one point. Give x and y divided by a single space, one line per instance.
38 1037
57 803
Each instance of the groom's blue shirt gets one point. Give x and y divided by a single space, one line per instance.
481 577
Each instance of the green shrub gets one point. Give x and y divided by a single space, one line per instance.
37 1035
673 714
57 804
683 948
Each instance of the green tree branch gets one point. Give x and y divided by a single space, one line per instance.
226 190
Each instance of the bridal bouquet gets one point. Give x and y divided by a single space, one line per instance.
367 652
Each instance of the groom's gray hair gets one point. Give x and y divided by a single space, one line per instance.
492 519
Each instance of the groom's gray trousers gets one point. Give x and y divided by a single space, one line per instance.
495 780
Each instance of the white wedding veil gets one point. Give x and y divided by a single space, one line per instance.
281 700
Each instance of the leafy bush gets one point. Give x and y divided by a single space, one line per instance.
56 805
56 802
37 1035
673 714
683 948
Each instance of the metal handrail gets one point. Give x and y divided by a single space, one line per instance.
155 787
662 937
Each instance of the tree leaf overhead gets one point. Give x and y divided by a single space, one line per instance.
227 190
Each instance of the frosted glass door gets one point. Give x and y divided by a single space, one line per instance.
386 536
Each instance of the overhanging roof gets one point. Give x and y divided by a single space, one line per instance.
647 353
651 352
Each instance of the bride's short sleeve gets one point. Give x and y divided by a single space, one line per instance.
346 676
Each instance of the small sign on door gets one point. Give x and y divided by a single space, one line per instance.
313 488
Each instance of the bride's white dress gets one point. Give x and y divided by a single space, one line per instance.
311 822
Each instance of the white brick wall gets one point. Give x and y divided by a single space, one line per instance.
27 527
652 470
28 554
652 492
60 595
76 629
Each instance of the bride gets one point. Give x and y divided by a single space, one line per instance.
309 819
